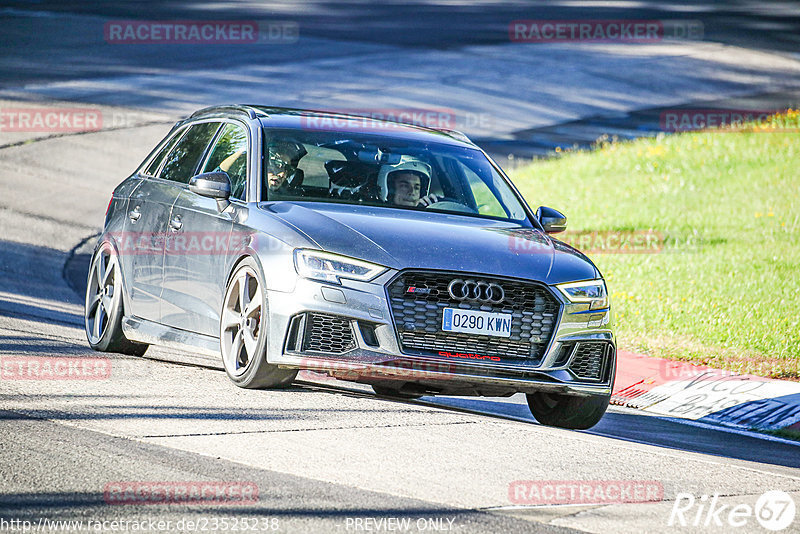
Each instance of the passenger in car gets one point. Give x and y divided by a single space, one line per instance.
277 172
282 171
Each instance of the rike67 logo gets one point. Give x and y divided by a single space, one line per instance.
774 510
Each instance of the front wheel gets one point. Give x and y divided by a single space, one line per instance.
567 411
244 322
103 311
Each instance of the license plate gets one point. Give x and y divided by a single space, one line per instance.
476 322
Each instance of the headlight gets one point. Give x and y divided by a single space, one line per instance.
594 292
329 267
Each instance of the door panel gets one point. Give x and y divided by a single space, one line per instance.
199 240
197 247
148 214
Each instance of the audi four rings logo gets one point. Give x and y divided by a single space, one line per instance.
472 290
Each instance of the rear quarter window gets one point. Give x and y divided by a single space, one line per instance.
155 163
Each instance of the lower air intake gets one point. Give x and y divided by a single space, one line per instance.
328 334
590 360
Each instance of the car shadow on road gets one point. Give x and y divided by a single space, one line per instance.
652 430
233 413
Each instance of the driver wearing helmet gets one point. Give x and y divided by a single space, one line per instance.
407 184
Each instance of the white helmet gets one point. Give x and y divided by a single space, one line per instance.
407 164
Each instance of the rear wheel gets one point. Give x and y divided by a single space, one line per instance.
103 310
244 322
567 411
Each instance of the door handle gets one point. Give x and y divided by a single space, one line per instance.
135 213
175 223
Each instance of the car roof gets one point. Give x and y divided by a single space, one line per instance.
312 120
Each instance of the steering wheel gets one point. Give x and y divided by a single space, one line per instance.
450 204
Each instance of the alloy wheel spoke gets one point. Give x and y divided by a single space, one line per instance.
229 319
95 301
244 296
100 270
107 302
253 307
108 275
98 317
236 347
249 342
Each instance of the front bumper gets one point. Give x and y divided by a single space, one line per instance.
580 357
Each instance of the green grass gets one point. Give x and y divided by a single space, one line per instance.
785 433
725 289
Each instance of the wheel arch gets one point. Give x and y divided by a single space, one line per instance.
272 256
237 261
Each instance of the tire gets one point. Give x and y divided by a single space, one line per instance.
103 309
388 391
567 411
243 327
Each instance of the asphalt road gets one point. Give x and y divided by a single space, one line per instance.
455 60
323 453
772 26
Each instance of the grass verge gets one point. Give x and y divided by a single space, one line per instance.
722 288
785 433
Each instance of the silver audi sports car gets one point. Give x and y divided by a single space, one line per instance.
373 251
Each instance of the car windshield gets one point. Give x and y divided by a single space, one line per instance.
374 170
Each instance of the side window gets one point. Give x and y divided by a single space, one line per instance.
185 156
152 169
484 198
230 155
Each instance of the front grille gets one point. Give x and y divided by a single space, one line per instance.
418 316
328 333
589 361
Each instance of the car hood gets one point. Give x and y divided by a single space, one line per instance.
403 239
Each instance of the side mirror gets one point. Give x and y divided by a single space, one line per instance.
216 185
552 220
